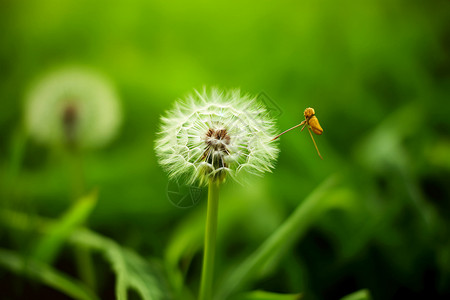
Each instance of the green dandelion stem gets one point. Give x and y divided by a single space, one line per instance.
210 241
83 257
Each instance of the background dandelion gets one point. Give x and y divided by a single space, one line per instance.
72 105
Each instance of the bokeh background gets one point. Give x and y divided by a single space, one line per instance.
376 72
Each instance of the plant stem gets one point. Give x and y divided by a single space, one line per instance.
77 173
85 265
210 241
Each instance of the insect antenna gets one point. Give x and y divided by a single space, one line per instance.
302 123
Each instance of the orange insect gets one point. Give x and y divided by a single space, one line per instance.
311 122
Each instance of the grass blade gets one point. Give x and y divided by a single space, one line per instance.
359 295
49 245
263 295
284 236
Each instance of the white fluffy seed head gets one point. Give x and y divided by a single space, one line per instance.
72 106
212 135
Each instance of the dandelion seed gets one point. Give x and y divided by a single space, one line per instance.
213 135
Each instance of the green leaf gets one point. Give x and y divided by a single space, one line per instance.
50 244
359 295
284 236
132 271
263 295
185 241
45 274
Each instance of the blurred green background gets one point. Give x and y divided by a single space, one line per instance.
376 72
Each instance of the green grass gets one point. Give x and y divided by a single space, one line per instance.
377 75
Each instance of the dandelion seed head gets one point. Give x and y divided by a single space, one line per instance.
213 135
73 106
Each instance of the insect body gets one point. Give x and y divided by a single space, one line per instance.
311 122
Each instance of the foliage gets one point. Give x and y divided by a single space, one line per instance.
377 74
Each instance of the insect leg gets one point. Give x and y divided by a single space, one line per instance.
309 130
304 126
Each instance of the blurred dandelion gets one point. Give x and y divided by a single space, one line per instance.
78 109
215 134
75 107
